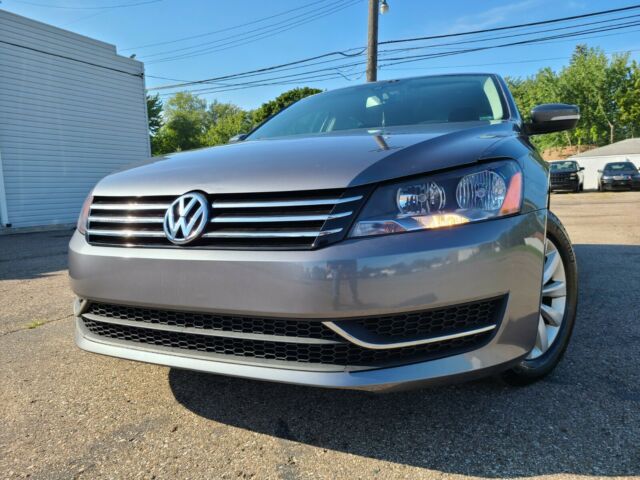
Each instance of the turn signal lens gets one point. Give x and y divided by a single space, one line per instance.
84 214
513 199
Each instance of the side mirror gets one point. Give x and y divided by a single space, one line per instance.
581 169
599 171
552 117
238 138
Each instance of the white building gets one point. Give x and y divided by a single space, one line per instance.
71 111
596 159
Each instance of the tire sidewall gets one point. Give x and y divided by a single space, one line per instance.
538 367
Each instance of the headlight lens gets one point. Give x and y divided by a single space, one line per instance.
84 214
444 200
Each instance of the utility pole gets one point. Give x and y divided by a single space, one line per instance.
372 46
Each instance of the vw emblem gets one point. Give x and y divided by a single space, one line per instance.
186 218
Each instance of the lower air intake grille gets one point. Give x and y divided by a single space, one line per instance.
343 354
307 344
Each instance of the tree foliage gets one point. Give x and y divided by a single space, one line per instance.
269 109
606 90
154 116
189 122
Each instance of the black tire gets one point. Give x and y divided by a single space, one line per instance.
530 371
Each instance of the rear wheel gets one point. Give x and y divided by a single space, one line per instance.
558 306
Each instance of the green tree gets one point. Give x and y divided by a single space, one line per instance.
629 103
185 123
606 90
231 123
281 101
154 116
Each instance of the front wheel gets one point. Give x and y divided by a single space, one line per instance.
558 307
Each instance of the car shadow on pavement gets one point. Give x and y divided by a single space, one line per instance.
584 419
33 255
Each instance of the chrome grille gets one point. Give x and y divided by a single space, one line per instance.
268 220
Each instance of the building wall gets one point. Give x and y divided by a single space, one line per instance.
71 112
593 164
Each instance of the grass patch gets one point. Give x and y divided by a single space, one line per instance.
34 324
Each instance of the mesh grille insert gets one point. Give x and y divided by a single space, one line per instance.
337 352
345 354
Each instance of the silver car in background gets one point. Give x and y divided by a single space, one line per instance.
386 235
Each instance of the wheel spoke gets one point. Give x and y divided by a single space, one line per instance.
551 263
554 290
551 315
542 339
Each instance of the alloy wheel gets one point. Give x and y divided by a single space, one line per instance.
553 302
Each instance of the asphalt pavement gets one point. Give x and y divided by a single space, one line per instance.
65 413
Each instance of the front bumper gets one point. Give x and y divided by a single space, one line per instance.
626 184
395 273
568 184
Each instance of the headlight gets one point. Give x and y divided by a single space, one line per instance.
84 214
467 195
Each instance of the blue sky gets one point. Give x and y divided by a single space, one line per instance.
342 24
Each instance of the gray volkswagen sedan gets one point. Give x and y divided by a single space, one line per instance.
385 235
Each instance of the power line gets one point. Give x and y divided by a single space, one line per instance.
509 27
514 62
69 7
303 76
510 44
242 34
345 53
222 30
514 35
252 38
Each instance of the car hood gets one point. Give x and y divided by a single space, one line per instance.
313 162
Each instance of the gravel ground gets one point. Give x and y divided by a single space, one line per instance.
70 414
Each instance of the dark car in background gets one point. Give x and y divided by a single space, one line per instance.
618 176
566 175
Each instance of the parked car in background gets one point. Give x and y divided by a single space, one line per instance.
618 176
566 175
379 236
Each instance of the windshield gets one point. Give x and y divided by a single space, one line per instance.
617 167
415 101
564 167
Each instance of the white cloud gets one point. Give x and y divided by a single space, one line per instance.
492 17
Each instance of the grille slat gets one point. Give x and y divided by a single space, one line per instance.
278 218
297 342
285 203
272 234
286 220
129 206
126 219
125 233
